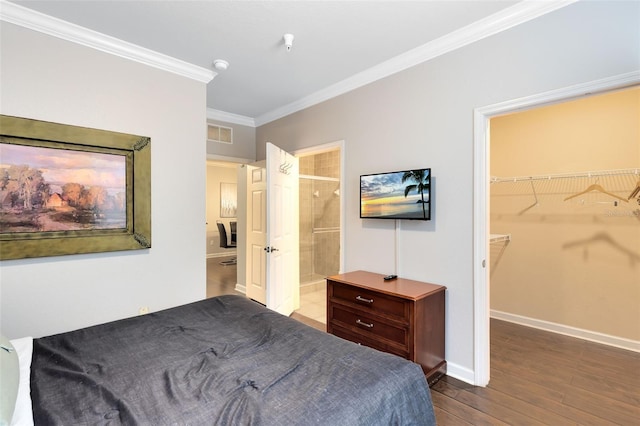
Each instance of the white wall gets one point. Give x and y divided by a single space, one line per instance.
423 117
48 79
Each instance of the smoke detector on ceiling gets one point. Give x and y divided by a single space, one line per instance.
220 64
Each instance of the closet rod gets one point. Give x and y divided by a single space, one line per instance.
592 174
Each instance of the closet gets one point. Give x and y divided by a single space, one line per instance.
565 218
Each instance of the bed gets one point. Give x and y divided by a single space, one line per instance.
221 361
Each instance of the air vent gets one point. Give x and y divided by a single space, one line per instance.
220 134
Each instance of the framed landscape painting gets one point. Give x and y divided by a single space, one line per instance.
70 190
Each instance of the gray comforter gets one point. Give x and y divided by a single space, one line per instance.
224 361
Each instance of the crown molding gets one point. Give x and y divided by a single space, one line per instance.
217 115
510 17
28 18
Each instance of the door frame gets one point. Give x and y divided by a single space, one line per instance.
340 145
330 146
238 161
481 143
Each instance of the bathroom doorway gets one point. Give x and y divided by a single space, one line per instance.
320 225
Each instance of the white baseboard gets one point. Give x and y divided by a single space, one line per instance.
460 373
241 288
605 339
222 254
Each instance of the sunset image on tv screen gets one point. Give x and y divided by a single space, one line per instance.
396 195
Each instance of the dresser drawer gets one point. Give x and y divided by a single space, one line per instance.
402 316
378 302
369 325
372 343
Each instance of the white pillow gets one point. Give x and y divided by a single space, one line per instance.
23 415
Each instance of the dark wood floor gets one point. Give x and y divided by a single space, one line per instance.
537 377
542 378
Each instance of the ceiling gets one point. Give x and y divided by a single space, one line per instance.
334 40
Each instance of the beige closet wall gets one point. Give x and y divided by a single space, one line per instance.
575 262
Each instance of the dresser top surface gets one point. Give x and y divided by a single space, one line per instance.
398 287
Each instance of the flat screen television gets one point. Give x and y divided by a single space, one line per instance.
396 195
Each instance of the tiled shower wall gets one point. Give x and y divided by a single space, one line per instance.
319 216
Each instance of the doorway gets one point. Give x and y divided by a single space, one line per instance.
481 200
320 225
221 207
321 236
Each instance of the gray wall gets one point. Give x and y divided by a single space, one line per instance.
49 79
243 146
423 117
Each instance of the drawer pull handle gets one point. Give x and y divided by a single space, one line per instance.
359 322
362 299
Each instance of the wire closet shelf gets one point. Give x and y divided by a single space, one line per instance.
574 175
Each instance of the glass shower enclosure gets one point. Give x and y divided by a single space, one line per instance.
319 217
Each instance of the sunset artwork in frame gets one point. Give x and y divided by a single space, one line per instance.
71 190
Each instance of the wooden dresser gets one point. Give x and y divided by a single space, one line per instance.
400 316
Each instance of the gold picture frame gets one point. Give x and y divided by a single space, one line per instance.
22 216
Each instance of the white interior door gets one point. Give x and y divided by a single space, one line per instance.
283 277
256 226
